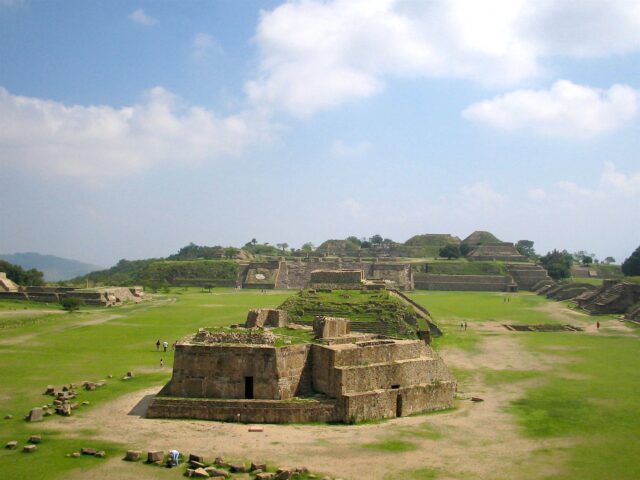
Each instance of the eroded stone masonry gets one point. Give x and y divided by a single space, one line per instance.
288 374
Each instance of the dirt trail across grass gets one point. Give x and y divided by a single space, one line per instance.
79 321
475 441
558 311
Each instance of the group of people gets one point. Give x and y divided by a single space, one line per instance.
165 346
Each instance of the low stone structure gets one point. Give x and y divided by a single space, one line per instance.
478 283
350 279
266 317
330 327
105 296
339 377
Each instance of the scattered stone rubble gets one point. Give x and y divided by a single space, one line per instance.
246 337
63 402
221 469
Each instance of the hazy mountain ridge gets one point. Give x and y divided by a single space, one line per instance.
54 268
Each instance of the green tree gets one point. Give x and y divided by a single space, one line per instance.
231 252
609 260
587 260
376 239
631 266
354 240
21 276
449 251
307 247
525 247
71 304
558 264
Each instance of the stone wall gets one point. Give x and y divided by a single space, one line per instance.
398 402
336 279
504 252
298 274
487 283
258 411
266 317
203 371
527 275
261 275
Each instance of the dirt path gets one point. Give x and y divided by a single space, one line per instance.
27 313
558 311
96 318
475 441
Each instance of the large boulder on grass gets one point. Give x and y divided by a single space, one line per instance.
35 415
133 455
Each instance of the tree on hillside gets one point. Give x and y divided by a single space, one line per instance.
354 240
525 247
587 260
450 251
558 264
609 260
282 246
21 276
631 266
376 239
307 247
231 252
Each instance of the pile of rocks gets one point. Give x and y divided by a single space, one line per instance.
221 469
64 400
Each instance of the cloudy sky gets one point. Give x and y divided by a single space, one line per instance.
130 128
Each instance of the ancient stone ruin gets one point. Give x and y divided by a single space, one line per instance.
328 374
104 296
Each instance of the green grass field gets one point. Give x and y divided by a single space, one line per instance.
590 399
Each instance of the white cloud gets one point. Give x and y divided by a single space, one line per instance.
204 45
343 150
97 143
537 194
316 55
573 189
139 16
566 110
628 185
483 193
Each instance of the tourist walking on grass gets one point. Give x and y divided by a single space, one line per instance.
158 345
165 345
161 363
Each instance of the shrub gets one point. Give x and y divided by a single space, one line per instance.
71 304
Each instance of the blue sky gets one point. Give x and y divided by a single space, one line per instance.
128 129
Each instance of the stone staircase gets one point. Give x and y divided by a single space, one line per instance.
282 280
603 300
527 275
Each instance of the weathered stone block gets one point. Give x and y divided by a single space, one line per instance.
133 455
155 456
35 415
